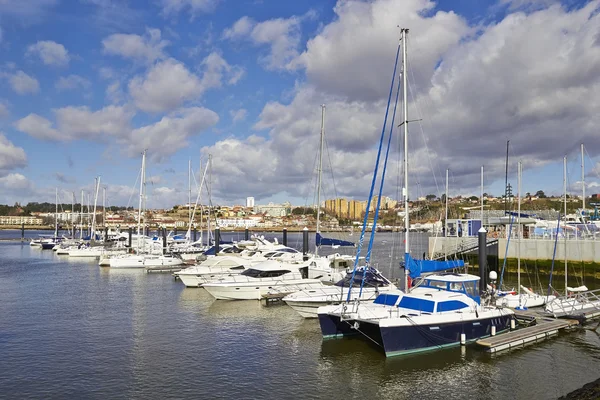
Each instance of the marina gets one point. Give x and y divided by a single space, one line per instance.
129 334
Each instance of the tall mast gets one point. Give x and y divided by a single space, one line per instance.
482 196
81 220
104 207
93 233
582 179
405 122
506 180
190 193
72 215
56 214
565 217
446 221
141 203
519 171
319 172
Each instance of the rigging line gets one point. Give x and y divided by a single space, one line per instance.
420 117
376 216
365 221
133 189
362 333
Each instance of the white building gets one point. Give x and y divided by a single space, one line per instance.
249 201
237 222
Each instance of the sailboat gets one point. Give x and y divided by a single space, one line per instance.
523 297
49 243
441 310
142 259
578 302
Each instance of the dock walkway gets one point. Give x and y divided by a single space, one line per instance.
541 327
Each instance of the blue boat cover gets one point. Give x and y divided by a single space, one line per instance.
322 241
418 267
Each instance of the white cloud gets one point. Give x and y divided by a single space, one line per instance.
28 9
147 48
78 123
167 85
23 83
238 115
195 7
38 127
72 82
476 89
4 110
240 29
16 182
216 69
114 93
282 35
11 156
165 137
51 53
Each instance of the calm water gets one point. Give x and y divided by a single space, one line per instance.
73 329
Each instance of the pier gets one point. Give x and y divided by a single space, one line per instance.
540 327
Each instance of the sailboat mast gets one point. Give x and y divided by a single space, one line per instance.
565 217
482 196
104 208
319 172
582 179
56 214
81 220
506 180
141 203
519 232
405 123
190 193
93 233
446 221
72 214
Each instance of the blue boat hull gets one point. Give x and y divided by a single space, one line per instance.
404 340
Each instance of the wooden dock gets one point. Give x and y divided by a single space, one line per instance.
543 328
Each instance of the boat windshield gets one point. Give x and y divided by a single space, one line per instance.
372 279
257 273
417 304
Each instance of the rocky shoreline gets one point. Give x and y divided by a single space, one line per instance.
589 391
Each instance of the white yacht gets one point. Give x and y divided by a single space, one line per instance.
307 302
257 281
213 269
441 312
144 260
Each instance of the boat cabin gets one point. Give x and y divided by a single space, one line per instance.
452 282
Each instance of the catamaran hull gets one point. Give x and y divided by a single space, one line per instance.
413 338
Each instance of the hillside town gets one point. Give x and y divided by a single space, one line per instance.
338 213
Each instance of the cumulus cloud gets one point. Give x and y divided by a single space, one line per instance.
22 83
474 88
165 137
16 182
282 35
194 7
51 53
147 48
72 82
11 156
166 86
169 84
74 123
238 115
4 110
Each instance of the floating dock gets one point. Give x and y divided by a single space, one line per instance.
540 326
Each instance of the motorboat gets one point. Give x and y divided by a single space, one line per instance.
260 279
307 302
144 261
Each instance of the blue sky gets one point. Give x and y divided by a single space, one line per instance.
86 85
